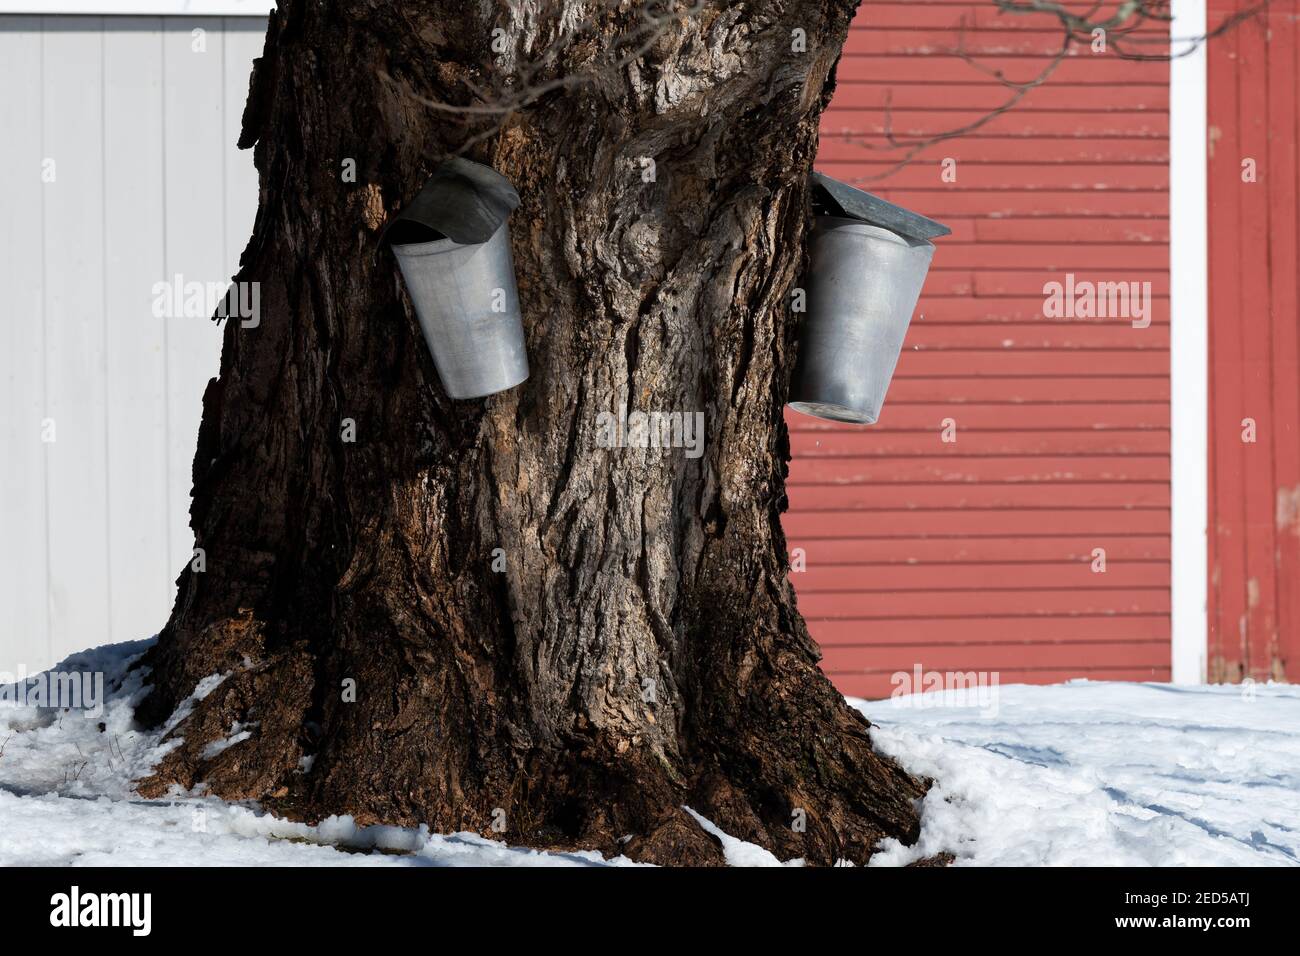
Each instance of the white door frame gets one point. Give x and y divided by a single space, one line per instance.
1189 400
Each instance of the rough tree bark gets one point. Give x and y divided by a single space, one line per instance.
520 697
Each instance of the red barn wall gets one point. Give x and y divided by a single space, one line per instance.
1254 584
977 554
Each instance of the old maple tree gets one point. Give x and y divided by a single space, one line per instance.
642 649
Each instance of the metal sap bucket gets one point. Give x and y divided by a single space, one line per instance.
865 281
452 245
455 289
867 262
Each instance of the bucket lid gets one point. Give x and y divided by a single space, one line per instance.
463 200
841 199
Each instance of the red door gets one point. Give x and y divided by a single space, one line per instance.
1254 121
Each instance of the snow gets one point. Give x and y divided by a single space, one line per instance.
237 735
66 798
738 852
1094 773
1077 773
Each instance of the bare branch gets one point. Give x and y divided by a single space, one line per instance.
656 18
1122 28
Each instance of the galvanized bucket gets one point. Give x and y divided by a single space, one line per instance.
453 247
863 284
468 307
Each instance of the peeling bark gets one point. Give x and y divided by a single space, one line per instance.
642 650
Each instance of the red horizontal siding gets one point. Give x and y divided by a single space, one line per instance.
1005 204
937 631
1034 123
1080 233
1008 657
1057 389
979 96
984 576
978 554
1013 40
1111 336
864 605
952 470
968 522
936 551
1000 495
841 144
970 442
873 684
1079 69
921 416
976 14
1022 177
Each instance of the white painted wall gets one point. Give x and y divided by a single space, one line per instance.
140 128
146 7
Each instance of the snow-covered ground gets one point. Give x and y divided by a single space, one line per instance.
1079 773
1089 773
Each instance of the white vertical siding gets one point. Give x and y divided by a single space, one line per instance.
72 243
24 562
140 571
141 128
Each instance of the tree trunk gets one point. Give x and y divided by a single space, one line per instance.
641 649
